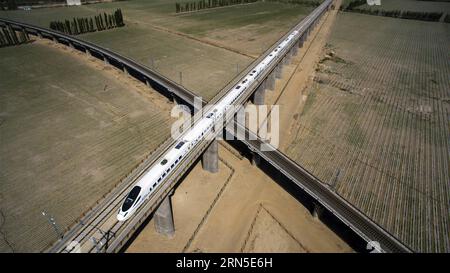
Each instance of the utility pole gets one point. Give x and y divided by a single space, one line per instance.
98 243
52 222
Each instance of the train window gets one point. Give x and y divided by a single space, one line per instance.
164 161
180 157
131 198
237 87
172 165
159 179
254 71
164 174
270 55
137 201
210 115
154 185
179 145
176 161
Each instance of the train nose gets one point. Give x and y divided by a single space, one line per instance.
120 217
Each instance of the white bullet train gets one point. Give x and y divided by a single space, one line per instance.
156 175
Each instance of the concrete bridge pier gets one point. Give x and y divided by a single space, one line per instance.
164 219
294 50
301 41
317 211
287 57
88 52
125 70
256 159
174 99
105 59
210 159
25 32
147 82
258 96
55 39
278 70
71 45
39 35
270 81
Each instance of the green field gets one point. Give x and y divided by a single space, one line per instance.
409 5
377 126
69 132
207 47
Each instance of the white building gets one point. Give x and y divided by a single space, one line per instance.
74 2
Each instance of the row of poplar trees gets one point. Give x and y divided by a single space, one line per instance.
8 4
9 37
82 25
207 4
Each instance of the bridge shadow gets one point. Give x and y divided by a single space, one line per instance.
326 217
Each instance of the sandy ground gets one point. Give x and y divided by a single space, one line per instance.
252 213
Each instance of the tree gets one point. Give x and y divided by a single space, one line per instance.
8 37
110 21
91 25
69 29
12 4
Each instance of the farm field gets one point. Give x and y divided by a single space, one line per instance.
208 47
375 125
70 130
410 5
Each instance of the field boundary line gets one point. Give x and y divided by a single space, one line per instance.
179 14
184 35
208 212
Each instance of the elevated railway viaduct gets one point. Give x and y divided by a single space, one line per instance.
98 231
